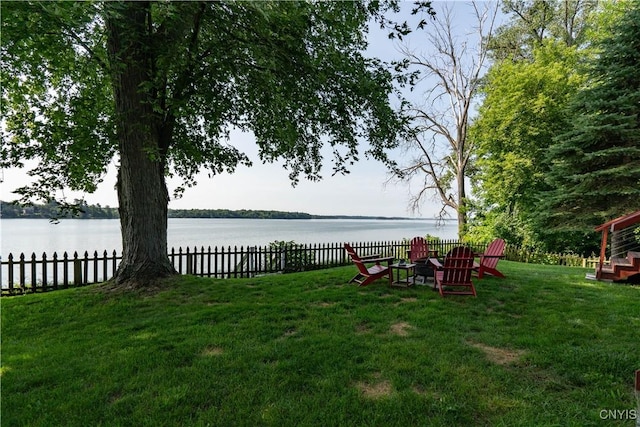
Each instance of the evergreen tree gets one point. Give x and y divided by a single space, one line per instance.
596 164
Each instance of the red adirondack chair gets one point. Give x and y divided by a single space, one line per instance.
489 259
418 250
454 277
419 254
367 275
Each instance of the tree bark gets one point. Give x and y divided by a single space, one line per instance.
142 192
462 199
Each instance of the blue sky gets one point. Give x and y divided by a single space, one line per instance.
267 187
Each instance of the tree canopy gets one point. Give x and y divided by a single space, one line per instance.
159 85
263 67
527 191
523 109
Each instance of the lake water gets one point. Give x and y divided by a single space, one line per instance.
71 235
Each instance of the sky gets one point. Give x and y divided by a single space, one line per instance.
364 191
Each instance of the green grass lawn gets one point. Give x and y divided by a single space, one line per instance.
542 347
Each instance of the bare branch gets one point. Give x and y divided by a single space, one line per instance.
450 67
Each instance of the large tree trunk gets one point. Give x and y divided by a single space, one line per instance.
462 200
142 192
142 196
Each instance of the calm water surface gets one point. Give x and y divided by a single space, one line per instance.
71 235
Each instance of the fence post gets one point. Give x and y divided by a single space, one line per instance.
34 282
77 269
65 269
44 271
283 257
114 264
22 278
201 261
95 267
10 273
251 261
215 262
55 270
189 262
85 272
228 271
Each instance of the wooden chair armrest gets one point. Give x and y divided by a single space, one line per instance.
491 256
367 257
435 263
378 260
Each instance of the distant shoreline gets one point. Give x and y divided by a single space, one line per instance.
51 210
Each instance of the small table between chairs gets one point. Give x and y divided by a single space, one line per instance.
405 279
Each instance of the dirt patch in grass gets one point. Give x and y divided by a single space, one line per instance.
401 329
115 398
326 304
363 328
375 390
499 356
412 299
213 351
290 332
419 390
422 391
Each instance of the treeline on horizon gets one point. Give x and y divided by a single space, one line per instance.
81 210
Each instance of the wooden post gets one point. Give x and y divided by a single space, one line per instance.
55 270
251 261
34 275
22 274
95 267
283 258
44 270
114 264
603 248
201 261
65 270
215 262
77 269
10 273
85 269
189 262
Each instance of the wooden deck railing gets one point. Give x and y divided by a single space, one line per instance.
26 274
